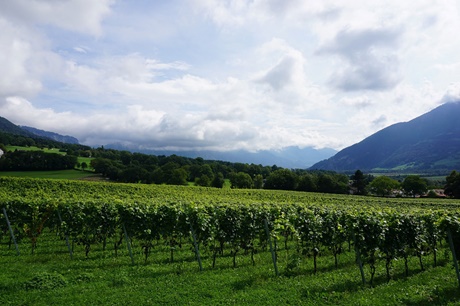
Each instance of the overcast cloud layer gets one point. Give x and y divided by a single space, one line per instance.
226 74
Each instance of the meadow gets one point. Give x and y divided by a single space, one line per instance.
118 244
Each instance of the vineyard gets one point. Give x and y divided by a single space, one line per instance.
209 226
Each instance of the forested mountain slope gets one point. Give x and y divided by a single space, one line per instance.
430 142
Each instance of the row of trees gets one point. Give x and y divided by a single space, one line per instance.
177 170
412 185
36 161
124 166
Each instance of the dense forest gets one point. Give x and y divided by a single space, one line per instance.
36 161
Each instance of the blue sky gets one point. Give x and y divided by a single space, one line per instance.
224 75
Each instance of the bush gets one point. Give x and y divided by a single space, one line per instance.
45 281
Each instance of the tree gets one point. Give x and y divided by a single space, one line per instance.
359 182
218 181
84 165
100 165
241 180
178 177
282 179
307 182
258 181
414 185
203 180
332 183
383 185
134 174
452 188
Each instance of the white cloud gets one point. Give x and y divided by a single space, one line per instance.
367 59
225 74
452 94
16 59
83 16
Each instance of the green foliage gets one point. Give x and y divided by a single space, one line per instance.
308 182
414 185
360 182
218 181
258 181
46 281
310 232
383 185
203 180
283 179
36 161
241 180
332 183
452 187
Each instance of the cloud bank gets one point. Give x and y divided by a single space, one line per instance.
225 75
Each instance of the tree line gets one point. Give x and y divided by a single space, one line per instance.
128 167
124 166
36 161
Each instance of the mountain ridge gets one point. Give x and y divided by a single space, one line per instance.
51 135
428 142
288 157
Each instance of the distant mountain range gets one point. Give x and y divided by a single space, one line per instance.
7 126
288 157
430 142
51 135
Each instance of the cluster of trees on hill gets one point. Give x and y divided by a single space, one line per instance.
36 161
125 166
411 185
41 142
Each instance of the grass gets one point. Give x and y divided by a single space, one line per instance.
58 174
86 160
32 148
51 277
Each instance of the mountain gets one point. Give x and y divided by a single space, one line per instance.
51 135
7 126
430 142
289 157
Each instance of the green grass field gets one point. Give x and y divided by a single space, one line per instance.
50 277
54 150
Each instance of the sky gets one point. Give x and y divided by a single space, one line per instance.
226 74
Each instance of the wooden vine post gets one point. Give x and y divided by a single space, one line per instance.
454 256
271 247
358 260
128 242
11 231
197 250
66 236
